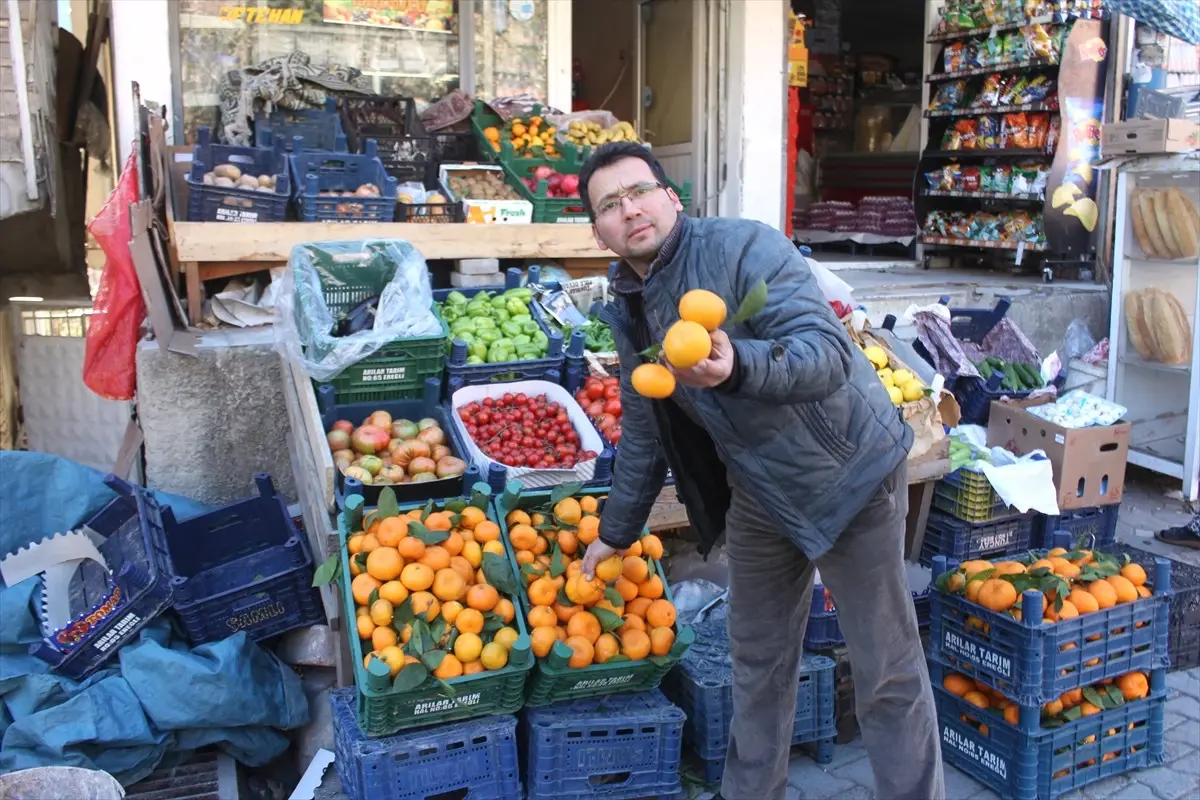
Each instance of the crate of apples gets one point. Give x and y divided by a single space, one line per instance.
534 429
616 632
600 398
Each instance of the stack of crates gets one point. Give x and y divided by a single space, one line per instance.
823 632
1036 709
702 685
968 520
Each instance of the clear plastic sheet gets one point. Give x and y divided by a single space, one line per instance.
350 272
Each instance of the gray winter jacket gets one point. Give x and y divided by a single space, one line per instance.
804 424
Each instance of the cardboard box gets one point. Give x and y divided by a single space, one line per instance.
1089 463
1149 136
488 212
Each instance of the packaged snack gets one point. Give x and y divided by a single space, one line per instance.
1001 179
950 95
935 224
952 57
988 134
934 179
1036 90
1053 134
1015 132
1039 127
958 226
993 13
951 139
1014 48
984 227
1039 43
991 51
1023 179
972 55
989 95
1041 179
970 179
968 131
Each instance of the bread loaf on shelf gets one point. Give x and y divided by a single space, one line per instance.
1158 327
1166 223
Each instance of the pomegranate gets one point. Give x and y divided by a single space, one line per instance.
432 436
570 185
450 467
368 440
421 464
404 429
542 173
343 425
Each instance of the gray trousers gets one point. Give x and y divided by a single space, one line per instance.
770 583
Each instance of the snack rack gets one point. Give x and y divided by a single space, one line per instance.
1006 166
1154 329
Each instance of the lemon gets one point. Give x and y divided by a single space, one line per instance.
913 390
877 356
896 395
883 371
902 376
886 378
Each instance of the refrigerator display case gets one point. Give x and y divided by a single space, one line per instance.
1154 338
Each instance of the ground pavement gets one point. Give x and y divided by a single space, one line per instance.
1147 507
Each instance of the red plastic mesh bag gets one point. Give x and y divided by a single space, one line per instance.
109 369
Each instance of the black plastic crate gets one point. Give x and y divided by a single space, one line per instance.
208 202
315 174
430 213
456 146
311 129
1099 523
946 535
407 152
243 567
1183 636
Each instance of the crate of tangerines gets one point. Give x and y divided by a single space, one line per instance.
436 635
1099 617
614 633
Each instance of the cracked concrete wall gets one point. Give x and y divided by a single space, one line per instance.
212 421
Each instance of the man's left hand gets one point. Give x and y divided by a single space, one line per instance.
712 371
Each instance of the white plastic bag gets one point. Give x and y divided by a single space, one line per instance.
605 119
834 287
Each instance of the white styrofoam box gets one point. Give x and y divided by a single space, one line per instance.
589 438
487 212
1091 378
477 266
460 281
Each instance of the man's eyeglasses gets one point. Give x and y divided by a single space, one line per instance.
636 194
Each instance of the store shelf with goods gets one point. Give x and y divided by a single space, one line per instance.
1012 66
1007 152
975 111
978 25
1155 315
991 245
1029 197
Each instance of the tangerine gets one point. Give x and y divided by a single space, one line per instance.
633 622
384 563
362 586
417 577
626 588
471 516
1063 568
448 584
584 624
661 641
467 647
582 591
635 569
564 613
652 546
704 308
582 652
438 521
956 684
463 568
660 614
483 597
542 617
542 592
394 592
977 699
635 644
1125 588
970 568
451 610
493 656
391 531
522 537
588 529
638 606
653 380
383 636
1134 574
472 553
605 647
454 543
1133 685
487 531
381 612
686 344
568 511
1104 592
541 639
652 587
589 504
506 637
1084 602
469 620
505 610
425 604
450 667
473 668
436 557
610 569
366 626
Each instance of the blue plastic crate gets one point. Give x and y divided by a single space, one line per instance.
1026 762
1025 661
946 535
314 173
616 747
463 759
427 406
702 685
211 203
1183 641
108 609
244 567
1099 523
304 129
823 631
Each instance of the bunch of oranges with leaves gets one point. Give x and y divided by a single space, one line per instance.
433 590
621 614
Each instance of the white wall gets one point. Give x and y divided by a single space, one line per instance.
141 52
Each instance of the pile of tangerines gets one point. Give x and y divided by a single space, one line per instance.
620 614
399 580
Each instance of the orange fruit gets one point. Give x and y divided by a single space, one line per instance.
1042 563
661 614
686 344
568 511
589 504
1064 568
369 543
504 610
354 543
977 699
469 620
638 606
542 592
1134 574
1056 552
410 548
436 557
956 684
394 592
652 546
561 632
568 542
383 636
381 612
483 597
417 577
391 531
542 639
524 557
609 569
654 380
1088 710
1053 708
1071 698
588 529
463 568
635 569
626 588
970 568
972 591
634 549
584 624
633 622
573 569
366 626
1068 611
703 307
564 613
582 652
1012 714
453 543
605 647
384 563
1144 591
438 521
487 531
471 516
1125 589
542 617
473 668
494 656
522 537
517 517
541 546
1084 602
635 644
607 605
472 553
661 640
582 591
1133 685
451 610
450 667
1103 591
506 637
494 547
425 604
448 585
467 647
394 657
1009 568
1083 557
652 587
362 586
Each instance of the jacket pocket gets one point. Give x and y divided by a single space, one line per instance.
817 421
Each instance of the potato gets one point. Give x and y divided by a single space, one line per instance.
247 182
268 189
209 177
227 171
367 190
404 197
266 180
223 181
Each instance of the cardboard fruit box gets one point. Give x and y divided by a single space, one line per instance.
1089 463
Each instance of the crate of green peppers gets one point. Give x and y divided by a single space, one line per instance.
999 378
498 335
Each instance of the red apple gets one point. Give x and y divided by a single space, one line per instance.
542 172
570 184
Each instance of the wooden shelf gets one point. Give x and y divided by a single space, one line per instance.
268 243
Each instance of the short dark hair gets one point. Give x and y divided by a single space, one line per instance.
608 154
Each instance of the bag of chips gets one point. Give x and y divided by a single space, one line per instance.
970 179
1015 132
950 95
1001 179
968 130
988 135
989 94
1039 127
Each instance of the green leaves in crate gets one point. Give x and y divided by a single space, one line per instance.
532 569
354 513
433 659
499 574
608 620
456 506
371 598
409 678
563 491
326 572
402 615
387 505
426 510
492 622
1104 697
651 353
558 564
613 596
421 641
510 497
426 536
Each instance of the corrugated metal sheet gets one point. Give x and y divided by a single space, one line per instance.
38 35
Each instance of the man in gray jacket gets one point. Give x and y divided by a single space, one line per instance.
784 440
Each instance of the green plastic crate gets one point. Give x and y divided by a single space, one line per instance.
552 681
382 710
568 162
567 209
396 371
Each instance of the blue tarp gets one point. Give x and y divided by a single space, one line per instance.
160 695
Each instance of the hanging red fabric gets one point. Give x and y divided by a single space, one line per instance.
793 133
109 366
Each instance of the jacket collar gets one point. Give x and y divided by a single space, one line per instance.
626 281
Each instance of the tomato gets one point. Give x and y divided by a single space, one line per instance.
595 409
610 381
611 392
613 407
614 435
594 390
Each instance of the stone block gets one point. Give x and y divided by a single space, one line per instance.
478 266
460 281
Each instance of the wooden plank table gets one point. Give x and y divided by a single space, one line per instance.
208 250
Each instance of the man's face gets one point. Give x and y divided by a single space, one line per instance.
634 212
